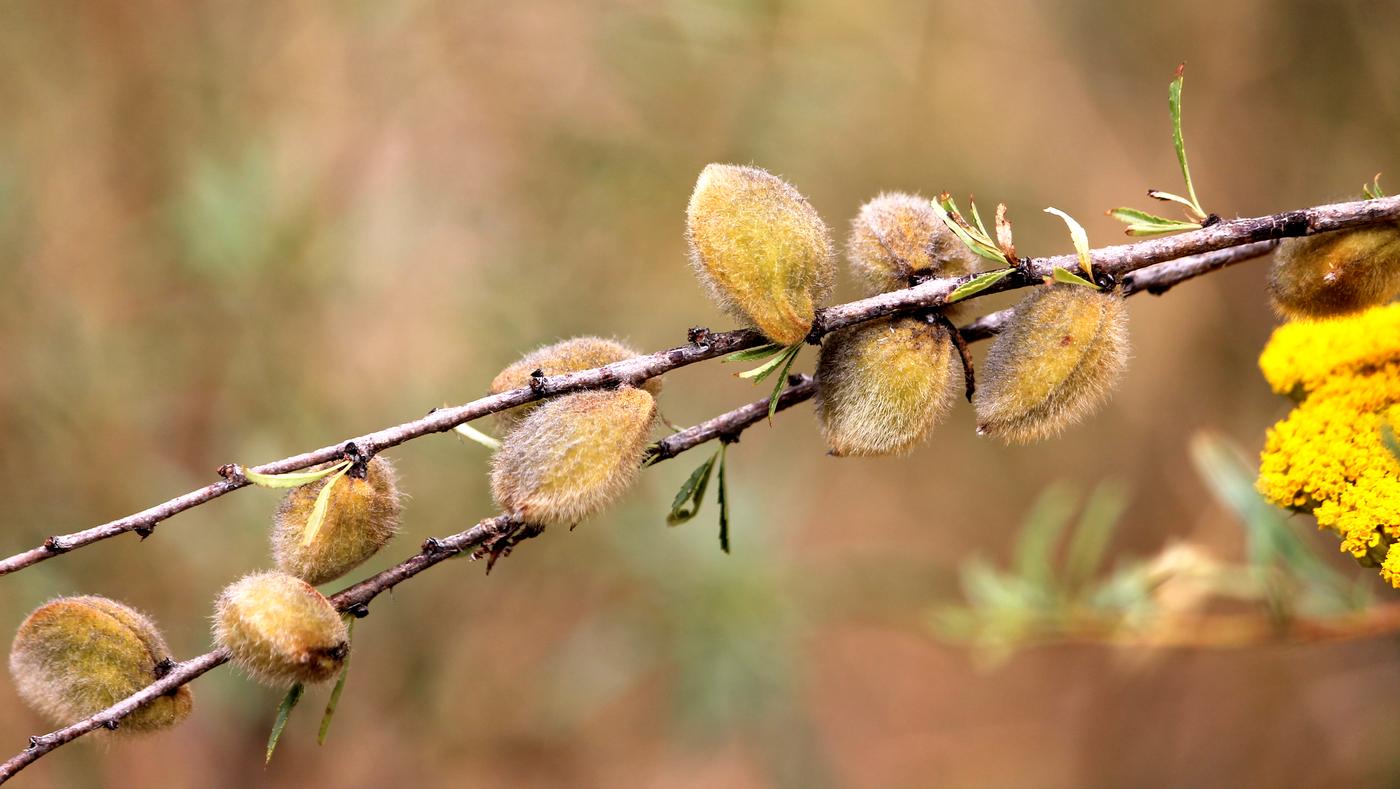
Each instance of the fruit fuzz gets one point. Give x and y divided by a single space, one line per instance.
573 456
1331 274
280 630
760 249
884 385
361 517
1062 351
76 656
897 236
568 356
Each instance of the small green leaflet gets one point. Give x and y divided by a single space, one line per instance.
283 710
723 502
782 381
753 354
977 284
1080 238
1373 190
318 510
1070 278
294 479
980 244
1179 140
339 684
976 217
1142 223
692 492
766 369
479 437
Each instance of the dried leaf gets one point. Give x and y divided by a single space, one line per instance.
1004 242
1080 240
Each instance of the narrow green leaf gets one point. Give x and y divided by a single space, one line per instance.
976 217
1130 215
981 247
1179 140
318 510
753 354
283 710
977 284
1080 238
1070 278
692 491
782 381
723 502
339 685
1086 547
467 431
1373 190
766 369
1036 545
293 479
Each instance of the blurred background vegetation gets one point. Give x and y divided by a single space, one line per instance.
230 232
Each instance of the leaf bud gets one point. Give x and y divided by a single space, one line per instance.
573 456
884 385
361 516
76 656
280 630
1061 353
760 249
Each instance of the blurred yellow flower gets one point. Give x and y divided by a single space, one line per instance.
1328 456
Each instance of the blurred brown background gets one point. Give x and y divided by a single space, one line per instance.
230 232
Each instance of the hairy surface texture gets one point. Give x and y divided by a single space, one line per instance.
280 630
1333 274
567 356
75 656
573 456
1061 353
760 249
898 235
884 385
361 517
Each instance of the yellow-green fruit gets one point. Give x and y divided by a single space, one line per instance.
362 515
898 235
280 630
1336 273
884 385
1062 351
76 656
568 356
573 456
760 248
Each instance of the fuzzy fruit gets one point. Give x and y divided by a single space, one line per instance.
1332 274
573 456
280 630
1063 350
76 656
361 517
884 385
897 236
568 356
760 249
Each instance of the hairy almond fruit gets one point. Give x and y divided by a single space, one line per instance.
884 385
573 456
1330 274
897 236
1061 353
568 356
361 517
280 630
76 656
760 249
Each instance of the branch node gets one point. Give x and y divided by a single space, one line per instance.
231 471
111 724
163 667
537 382
144 531
699 336
54 544
358 610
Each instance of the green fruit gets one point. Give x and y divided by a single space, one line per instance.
573 456
897 237
884 385
280 630
1061 353
568 356
361 517
1330 274
76 656
760 249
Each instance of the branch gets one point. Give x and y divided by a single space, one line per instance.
1115 260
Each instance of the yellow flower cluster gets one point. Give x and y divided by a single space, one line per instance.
1328 456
